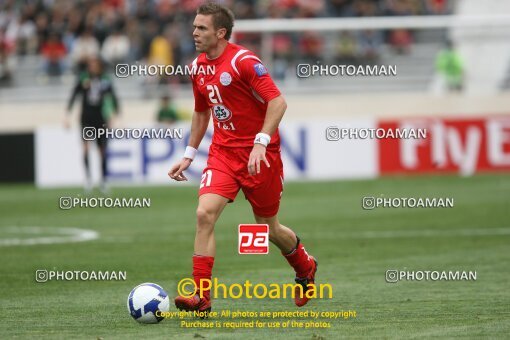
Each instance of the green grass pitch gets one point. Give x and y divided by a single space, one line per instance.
354 248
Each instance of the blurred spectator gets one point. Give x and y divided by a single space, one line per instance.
131 30
7 13
22 32
114 4
161 51
149 31
8 39
74 28
141 9
5 65
165 11
252 40
167 112
346 49
311 46
244 10
282 54
451 67
365 8
310 8
401 41
402 7
278 10
369 45
58 19
84 48
340 8
436 6
115 49
53 52
42 28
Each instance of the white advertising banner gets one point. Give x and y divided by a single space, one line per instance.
308 152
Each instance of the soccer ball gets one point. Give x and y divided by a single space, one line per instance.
145 300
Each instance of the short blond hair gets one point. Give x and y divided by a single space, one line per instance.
222 16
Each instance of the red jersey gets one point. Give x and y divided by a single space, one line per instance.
236 94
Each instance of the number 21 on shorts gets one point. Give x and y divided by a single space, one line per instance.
206 179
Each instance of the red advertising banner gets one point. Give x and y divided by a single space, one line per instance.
464 146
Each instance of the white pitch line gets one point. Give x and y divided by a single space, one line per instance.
420 233
66 235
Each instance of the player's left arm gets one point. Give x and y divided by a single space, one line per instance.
115 99
254 73
274 114
115 106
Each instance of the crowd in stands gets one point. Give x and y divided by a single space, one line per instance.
64 33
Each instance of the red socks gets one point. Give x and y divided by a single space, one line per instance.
202 269
299 260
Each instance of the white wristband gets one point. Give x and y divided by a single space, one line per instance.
190 152
262 138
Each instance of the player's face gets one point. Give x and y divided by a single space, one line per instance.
204 34
94 67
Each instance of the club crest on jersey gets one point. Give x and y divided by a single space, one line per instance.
201 81
260 69
221 113
225 79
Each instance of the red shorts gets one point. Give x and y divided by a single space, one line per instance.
227 172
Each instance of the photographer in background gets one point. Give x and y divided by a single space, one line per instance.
99 103
451 67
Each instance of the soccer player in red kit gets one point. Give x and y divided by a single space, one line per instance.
247 108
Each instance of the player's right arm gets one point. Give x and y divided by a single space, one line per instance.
76 90
199 124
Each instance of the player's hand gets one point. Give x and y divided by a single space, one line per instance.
176 171
67 123
113 121
258 154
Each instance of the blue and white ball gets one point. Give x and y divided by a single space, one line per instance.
145 300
